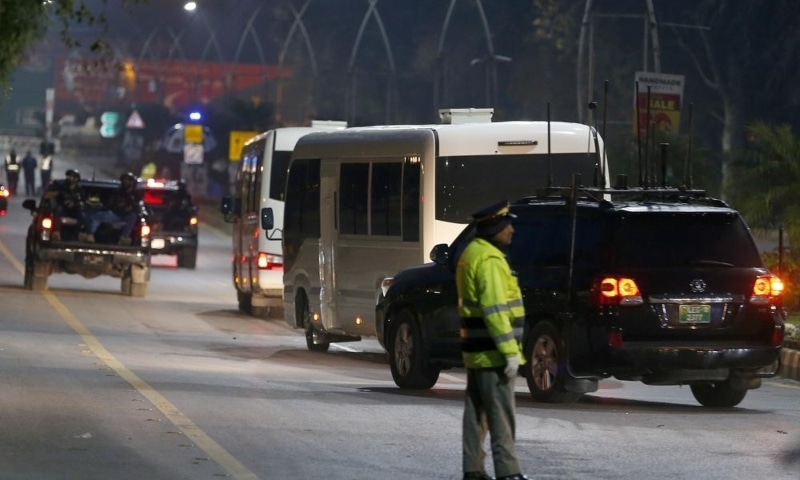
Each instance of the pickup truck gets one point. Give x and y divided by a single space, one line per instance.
58 243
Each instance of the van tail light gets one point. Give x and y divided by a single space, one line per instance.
268 261
616 291
767 290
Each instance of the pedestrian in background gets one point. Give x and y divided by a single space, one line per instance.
492 314
12 171
29 165
46 170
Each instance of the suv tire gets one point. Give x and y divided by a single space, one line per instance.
718 394
546 371
407 355
187 257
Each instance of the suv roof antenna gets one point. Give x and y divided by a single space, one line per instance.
593 133
647 142
603 164
638 132
687 168
549 157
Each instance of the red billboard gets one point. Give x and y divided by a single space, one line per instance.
174 83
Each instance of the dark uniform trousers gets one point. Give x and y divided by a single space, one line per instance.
490 391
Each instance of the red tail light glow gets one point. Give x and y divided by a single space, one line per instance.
767 289
268 261
47 223
193 221
617 291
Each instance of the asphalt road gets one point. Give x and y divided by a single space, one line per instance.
180 385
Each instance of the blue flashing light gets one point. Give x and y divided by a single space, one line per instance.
195 116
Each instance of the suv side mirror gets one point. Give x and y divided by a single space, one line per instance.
440 254
29 204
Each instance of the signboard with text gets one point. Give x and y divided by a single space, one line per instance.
661 95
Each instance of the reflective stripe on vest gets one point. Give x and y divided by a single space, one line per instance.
490 306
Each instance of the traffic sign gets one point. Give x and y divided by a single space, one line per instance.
134 120
193 153
193 134
237 141
109 122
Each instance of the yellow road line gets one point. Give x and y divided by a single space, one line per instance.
214 450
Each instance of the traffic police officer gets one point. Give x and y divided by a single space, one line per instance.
12 171
492 313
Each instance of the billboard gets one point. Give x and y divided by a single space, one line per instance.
662 94
174 83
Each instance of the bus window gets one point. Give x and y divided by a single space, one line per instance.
353 188
278 172
385 199
411 199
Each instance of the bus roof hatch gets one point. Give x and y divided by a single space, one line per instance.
465 115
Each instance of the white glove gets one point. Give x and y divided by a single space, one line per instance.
512 366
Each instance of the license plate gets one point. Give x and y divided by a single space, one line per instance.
694 313
93 259
157 243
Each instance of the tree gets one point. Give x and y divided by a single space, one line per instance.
765 185
745 56
23 22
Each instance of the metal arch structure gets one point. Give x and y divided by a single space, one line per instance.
391 84
297 25
175 46
584 72
440 97
249 29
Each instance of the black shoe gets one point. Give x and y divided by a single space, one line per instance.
477 476
517 476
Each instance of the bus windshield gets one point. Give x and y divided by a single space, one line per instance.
465 184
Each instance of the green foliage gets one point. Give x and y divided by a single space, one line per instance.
23 22
765 186
788 269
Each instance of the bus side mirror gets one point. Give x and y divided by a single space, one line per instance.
230 207
267 219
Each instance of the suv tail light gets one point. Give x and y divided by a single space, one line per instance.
616 291
267 261
767 289
193 221
46 226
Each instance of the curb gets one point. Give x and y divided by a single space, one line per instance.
790 364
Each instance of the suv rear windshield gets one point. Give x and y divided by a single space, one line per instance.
677 239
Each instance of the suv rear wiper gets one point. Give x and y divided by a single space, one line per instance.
710 263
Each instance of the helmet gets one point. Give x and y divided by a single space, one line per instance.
127 175
73 173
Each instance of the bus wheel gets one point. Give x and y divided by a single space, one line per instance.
316 341
408 357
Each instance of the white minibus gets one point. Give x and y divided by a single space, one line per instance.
363 203
260 179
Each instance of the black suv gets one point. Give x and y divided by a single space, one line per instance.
173 217
57 241
663 286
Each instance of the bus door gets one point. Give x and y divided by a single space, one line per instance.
369 246
248 236
327 261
